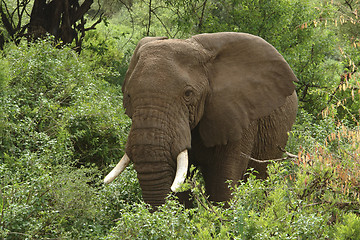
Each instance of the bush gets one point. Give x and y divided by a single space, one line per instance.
103 50
299 200
349 228
54 102
62 128
55 118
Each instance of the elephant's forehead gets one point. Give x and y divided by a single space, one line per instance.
157 75
176 50
170 45
164 66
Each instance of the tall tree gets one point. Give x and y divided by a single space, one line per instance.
63 19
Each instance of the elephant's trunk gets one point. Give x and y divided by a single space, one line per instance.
156 138
155 181
155 171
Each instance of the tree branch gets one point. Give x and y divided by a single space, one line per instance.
162 23
81 11
149 20
5 19
348 3
288 156
96 23
202 16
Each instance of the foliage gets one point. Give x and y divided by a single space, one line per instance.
350 229
301 199
314 196
62 128
311 35
101 48
51 94
55 118
35 19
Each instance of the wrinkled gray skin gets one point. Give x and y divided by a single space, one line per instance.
222 96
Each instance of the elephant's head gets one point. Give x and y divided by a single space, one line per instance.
217 83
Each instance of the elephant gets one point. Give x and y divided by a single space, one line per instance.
215 100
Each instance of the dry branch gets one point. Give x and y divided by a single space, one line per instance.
287 157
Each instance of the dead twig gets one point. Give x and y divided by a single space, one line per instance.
287 157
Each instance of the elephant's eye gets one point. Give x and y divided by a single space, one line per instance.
188 93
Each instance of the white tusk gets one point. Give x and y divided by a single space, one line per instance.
123 163
181 170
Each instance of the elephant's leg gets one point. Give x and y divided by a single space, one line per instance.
272 135
222 163
269 141
228 163
185 198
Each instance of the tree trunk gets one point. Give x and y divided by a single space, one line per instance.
59 18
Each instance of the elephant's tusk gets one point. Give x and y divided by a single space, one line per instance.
123 163
181 170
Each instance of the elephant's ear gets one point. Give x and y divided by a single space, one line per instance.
248 80
133 62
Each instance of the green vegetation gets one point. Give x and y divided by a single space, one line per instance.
62 128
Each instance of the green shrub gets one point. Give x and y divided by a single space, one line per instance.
123 191
308 132
55 118
54 102
103 50
349 228
62 128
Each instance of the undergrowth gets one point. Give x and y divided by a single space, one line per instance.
62 128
